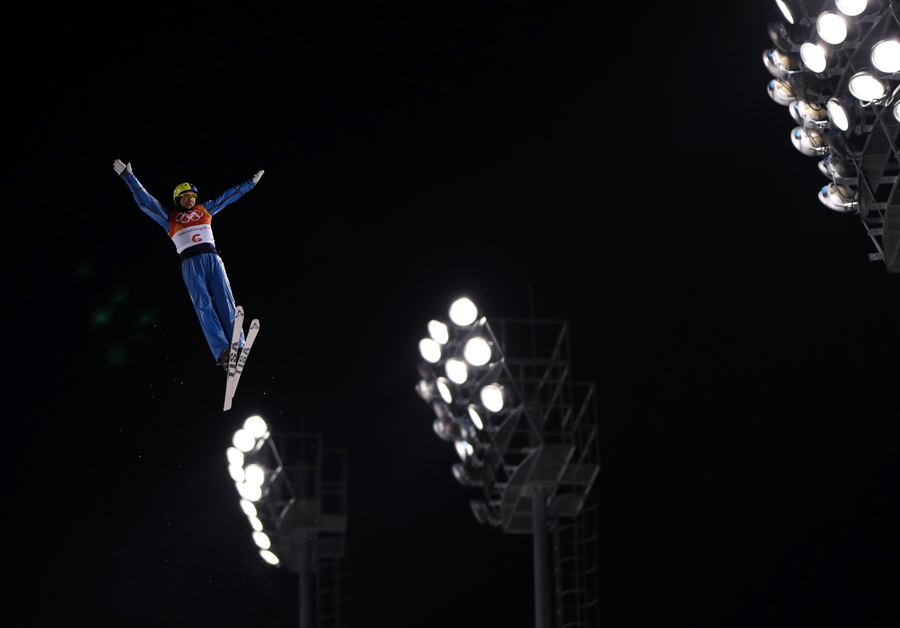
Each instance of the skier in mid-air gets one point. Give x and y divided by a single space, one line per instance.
189 226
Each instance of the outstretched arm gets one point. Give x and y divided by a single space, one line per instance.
230 196
147 203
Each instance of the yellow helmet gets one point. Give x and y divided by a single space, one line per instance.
183 189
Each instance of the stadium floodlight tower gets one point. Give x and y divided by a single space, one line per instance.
294 493
836 66
527 436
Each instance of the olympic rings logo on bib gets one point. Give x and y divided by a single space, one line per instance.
186 217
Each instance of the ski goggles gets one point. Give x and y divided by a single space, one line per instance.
188 195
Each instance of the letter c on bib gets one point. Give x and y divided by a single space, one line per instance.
197 238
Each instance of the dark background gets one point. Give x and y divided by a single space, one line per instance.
745 348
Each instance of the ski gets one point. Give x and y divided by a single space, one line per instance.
235 349
248 344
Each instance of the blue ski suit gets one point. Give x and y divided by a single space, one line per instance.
201 267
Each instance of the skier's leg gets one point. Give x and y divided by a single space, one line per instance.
223 301
195 271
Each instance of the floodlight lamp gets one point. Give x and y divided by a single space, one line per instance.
484 513
837 112
236 473
269 557
430 350
492 397
810 117
456 371
831 27
851 7
808 141
463 476
438 332
477 351
781 92
445 429
424 390
787 8
866 87
235 456
250 492
256 426
463 312
779 64
780 37
443 386
248 508
243 440
886 56
254 474
262 540
464 449
838 197
814 57
476 418
256 524
835 167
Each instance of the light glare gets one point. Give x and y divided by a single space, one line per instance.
250 492
256 524
444 388
243 440
476 418
254 475
430 350
464 449
463 312
838 114
269 557
851 7
813 57
235 456
477 351
492 397
236 473
256 426
248 508
262 540
866 87
785 10
438 331
886 56
456 371
832 28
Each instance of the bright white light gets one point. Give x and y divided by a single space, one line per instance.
464 449
254 474
438 331
262 540
236 473
784 9
269 557
243 440
492 397
256 524
813 57
897 111
851 7
832 27
838 114
256 426
886 56
476 418
250 492
477 351
235 456
463 312
456 371
444 388
430 350
248 508
866 87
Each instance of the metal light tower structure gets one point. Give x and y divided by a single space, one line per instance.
294 493
836 66
527 435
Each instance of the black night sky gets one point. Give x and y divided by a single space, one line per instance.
745 349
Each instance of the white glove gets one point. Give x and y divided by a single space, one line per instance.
256 177
120 168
